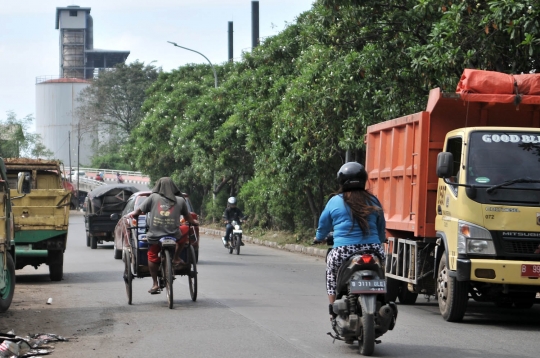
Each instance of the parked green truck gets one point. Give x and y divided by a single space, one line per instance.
7 244
40 218
7 265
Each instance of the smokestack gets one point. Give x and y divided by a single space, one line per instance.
254 24
230 41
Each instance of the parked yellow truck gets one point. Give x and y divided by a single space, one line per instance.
460 187
40 217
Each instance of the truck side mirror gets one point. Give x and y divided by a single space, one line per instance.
445 165
24 183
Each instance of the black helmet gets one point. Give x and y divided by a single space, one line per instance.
352 175
232 200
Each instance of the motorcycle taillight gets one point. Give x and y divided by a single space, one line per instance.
364 259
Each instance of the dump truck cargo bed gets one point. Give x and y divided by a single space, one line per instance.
401 154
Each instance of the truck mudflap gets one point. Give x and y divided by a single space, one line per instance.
504 271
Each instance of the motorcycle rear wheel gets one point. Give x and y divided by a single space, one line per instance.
366 341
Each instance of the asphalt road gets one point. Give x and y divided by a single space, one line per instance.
263 303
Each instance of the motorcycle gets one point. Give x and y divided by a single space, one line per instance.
360 311
235 240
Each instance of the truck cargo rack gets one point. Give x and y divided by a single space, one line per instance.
398 257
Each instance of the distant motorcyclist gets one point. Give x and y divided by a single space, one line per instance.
231 213
356 218
119 178
99 176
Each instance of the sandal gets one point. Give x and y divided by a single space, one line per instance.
180 263
154 291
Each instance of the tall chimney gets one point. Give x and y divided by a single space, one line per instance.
231 41
254 24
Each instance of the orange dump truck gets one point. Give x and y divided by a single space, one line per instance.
460 187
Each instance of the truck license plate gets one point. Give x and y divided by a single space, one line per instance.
530 270
368 286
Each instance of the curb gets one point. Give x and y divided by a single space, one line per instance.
312 251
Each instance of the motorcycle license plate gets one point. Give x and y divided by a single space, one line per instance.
168 242
530 270
367 286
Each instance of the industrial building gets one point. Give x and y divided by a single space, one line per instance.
57 96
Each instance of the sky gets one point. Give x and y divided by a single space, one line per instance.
29 42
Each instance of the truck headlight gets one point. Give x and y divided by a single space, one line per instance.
474 239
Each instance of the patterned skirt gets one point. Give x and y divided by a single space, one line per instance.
339 254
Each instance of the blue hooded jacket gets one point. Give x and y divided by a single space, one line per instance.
336 216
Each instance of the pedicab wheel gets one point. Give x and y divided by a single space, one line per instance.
128 277
168 275
192 274
237 244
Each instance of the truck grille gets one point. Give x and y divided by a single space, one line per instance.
513 246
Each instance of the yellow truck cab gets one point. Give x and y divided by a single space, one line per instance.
41 216
460 187
488 214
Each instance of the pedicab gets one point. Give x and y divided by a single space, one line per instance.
135 259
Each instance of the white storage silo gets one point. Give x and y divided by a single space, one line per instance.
56 117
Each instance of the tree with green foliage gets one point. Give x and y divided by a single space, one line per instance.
115 97
287 114
111 108
16 140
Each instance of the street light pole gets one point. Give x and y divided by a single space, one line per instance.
215 85
213 69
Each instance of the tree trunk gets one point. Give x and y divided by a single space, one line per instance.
222 184
312 206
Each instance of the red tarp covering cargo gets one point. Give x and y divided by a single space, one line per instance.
491 86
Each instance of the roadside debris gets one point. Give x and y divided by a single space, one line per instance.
13 346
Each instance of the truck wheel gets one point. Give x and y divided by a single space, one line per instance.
93 242
525 300
451 294
407 297
87 239
56 267
6 294
392 289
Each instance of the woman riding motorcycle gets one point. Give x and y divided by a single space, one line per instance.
357 220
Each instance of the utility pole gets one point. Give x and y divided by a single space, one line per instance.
78 163
69 139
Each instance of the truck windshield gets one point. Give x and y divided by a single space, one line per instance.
496 157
